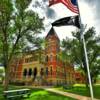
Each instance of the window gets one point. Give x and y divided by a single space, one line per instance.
46 70
51 70
25 72
46 58
41 72
52 48
35 72
30 72
30 59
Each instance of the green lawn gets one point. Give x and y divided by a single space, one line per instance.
38 94
82 90
45 95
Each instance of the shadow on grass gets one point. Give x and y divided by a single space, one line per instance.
36 94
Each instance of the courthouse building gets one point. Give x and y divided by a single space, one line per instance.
43 67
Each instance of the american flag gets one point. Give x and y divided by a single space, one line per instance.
71 4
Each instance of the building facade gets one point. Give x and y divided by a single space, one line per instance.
79 77
43 67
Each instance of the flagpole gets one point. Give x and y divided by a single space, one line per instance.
86 56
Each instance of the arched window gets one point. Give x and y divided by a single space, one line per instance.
30 72
25 72
46 70
41 72
51 70
35 72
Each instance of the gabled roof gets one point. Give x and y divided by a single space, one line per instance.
52 32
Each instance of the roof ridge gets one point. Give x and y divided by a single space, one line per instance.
52 32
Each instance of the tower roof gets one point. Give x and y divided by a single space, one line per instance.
52 32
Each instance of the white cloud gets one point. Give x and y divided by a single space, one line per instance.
64 31
86 13
61 11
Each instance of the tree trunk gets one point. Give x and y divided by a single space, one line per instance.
85 71
6 80
86 82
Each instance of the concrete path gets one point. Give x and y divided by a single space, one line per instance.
75 96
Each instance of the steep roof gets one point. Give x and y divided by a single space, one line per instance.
52 32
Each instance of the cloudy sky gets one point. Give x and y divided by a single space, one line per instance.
89 10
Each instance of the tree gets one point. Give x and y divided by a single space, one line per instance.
1 74
75 52
18 27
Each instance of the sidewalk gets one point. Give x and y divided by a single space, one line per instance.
75 96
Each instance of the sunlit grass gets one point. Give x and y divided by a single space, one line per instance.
83 85
82 90
45 95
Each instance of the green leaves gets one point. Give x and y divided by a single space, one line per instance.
17 26
75 53
21 5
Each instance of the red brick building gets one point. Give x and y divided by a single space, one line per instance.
50 70
79 77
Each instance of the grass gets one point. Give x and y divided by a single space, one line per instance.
82 90
10 88
37 94
45 95
40 94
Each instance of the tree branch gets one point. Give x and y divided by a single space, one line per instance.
16 42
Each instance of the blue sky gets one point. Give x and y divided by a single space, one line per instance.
89 10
